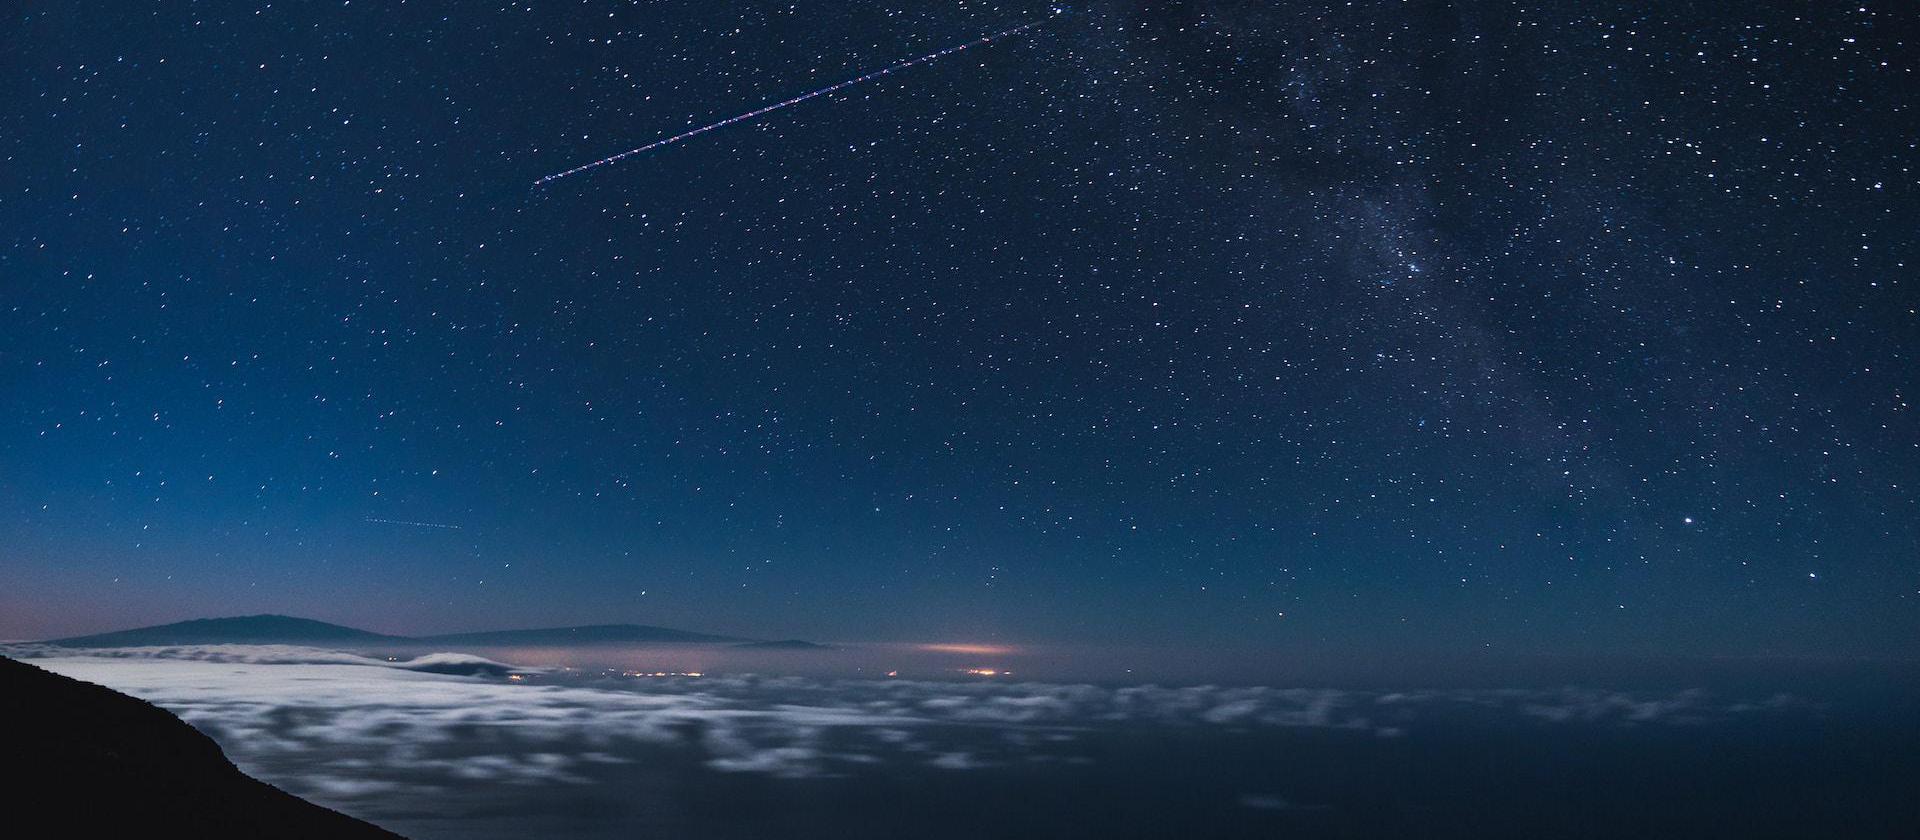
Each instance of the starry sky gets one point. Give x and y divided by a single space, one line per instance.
1548 327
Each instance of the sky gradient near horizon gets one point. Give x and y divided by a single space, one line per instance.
1558 327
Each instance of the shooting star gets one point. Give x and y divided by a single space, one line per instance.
413 524
766 109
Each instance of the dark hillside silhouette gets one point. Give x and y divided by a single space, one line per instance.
91 762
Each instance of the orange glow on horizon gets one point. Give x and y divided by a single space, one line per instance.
970 649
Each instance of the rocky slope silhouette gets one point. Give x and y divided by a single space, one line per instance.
87 761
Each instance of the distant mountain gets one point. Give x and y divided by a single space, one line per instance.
239 630
596 634
783 644
91 762
281 629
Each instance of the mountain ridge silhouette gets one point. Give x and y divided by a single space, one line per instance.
270 628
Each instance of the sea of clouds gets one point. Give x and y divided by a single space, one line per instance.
346 725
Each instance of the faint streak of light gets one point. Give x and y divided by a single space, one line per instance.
691 133
414 524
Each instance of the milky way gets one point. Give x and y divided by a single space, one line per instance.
1326 330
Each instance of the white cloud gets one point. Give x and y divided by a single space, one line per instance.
340 726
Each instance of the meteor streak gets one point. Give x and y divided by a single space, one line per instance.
414 524
765 109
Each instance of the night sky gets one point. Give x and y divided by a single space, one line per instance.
1557 327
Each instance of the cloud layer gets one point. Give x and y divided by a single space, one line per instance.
507 752
374 725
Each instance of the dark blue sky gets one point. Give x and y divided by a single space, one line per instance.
1563 327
